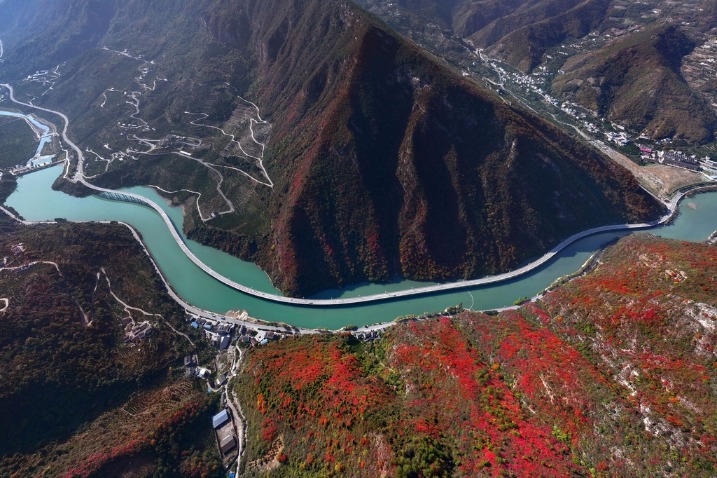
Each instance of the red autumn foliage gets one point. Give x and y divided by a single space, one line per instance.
612 372
162 426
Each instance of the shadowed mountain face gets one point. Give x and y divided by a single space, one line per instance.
382 160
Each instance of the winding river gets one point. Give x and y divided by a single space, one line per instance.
36 201
43 133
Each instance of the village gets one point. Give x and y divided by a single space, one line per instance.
535 89
231 334
537 84
680 159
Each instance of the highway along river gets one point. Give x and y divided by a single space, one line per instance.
36 201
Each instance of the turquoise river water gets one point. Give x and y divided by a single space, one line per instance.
36 201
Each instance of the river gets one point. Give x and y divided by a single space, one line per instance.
36 201
44 137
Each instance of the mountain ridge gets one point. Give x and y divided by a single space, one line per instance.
612 81
384 162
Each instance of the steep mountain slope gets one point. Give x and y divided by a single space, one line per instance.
398 166
615 82
382 160
519 31
545 38
617 367
75 395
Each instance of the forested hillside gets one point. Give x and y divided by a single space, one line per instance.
611 374
80 394
365 158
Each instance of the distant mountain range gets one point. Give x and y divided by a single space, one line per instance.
520 31
637 82
639 79
383 160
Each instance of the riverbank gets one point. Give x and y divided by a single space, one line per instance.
488 280
490 293
192 311
286 330
487 298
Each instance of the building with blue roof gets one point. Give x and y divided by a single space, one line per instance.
220 419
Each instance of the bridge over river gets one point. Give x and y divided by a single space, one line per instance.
120 196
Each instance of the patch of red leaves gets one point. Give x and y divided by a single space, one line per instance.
453 394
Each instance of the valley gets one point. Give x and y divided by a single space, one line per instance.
239 164
252 148
552 89
460 238
202 291
679 269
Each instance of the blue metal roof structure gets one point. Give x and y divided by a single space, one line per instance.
224 343
220 418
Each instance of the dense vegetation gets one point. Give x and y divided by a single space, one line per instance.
17 142
74 397
610 375
414 171
384 162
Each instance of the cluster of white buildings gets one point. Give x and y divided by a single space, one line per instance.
621 138
135 332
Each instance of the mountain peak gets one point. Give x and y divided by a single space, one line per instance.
376 160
